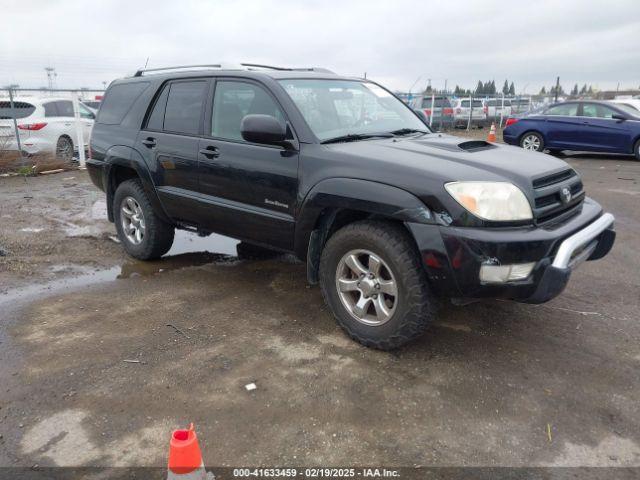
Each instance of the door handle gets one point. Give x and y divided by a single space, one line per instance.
149 142
210 152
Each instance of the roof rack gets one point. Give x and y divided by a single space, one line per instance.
248 66
286 69
146 70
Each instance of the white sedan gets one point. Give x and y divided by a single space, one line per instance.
46 126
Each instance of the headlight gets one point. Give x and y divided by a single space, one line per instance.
496 201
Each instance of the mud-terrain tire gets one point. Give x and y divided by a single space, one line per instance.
413 307
64 149
133 212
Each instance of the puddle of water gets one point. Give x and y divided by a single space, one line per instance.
188 250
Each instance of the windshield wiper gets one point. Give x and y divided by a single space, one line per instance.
352 137
407 131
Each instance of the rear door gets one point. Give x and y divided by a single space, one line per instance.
251 188
604 133
169 145
563 127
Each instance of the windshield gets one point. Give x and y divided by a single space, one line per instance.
337 108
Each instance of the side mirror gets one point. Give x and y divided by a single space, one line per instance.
619 117
263 129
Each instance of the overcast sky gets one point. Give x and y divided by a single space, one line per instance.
394 41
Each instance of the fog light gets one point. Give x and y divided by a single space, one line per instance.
505 273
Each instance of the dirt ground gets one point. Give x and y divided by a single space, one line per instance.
101 356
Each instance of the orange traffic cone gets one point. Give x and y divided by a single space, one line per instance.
185 458
492 133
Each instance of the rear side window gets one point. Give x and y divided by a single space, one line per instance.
22 110
184 107
50 109
65 108
156 119
568 110
118 101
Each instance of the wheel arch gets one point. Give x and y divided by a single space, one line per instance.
125 163
327 208
532 130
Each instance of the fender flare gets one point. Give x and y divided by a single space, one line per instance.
123 156
329 196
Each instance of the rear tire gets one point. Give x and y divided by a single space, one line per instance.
64 149
143 234
532 141
361 303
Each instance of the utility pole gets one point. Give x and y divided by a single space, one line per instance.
555 100
51 77
445 86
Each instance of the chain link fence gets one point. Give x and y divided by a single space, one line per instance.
45 129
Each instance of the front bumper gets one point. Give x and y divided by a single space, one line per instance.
453 256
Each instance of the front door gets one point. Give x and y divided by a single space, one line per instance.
169 145
251 188
604 133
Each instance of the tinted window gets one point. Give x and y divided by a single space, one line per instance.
156 119
65 108
184 107
233 100
476 103
439 102
22 109
50 109
118 101
567 109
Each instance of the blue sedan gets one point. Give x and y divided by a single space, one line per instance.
583 126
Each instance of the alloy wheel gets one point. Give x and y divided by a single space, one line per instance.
531 142
367 287
132 219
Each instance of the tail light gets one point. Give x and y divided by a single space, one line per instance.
510 121
427 111
447 111
32 126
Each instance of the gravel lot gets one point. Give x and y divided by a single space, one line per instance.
102 356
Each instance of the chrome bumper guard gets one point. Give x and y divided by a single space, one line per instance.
582 241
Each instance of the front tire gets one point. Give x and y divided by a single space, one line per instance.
372 280
532 141
636 150
143 234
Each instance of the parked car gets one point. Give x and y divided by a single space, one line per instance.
497 108
461 111
387 215
631 102
92 104
580 126
521 104
442 110
46 126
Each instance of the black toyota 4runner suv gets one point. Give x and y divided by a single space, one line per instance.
387 215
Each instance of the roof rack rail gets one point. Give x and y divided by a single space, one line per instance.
287 69
146 70
248 66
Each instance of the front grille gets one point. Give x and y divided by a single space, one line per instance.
550 203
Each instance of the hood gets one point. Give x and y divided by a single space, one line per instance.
419 164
